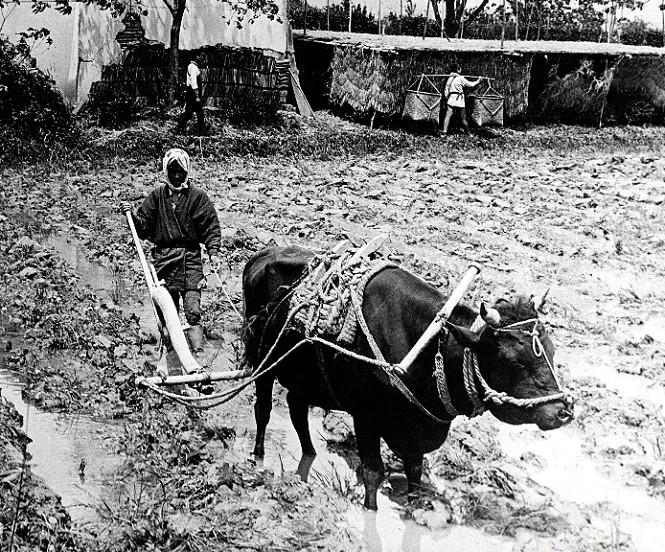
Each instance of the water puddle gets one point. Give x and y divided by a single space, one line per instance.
576 477
600 363
105 283
73 454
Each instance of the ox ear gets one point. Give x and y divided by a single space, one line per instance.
463 336
539 301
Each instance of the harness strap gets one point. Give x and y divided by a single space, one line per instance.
395 380
442 385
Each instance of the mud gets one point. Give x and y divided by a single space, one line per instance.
578 211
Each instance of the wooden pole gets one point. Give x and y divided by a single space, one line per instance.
662 14
426 20
517 20
203 377
304 23
379 16
139 248
401 15
328 14
350 13
435 327
503 24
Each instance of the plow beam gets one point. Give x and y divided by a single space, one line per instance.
203 377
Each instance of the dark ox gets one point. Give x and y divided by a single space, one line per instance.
397 307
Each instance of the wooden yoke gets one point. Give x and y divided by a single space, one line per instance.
163 303
435 327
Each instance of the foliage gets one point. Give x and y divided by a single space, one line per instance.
112 107
539 20
78 348
334 19
31 109
639 33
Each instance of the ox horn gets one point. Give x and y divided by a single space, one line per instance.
490 316
539 301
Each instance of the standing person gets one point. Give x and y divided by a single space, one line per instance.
454 94
193 97
177 217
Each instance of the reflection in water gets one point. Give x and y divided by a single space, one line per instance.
384 531
60 446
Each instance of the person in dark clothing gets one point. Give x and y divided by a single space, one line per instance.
193 97
177 217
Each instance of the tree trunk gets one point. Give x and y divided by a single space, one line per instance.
452 20
436 13
174 49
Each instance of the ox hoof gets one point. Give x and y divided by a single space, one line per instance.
371 504
259 453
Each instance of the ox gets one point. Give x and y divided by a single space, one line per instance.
513 357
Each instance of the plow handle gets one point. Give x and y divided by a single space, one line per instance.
139 248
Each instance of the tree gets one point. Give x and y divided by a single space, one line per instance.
242 12
456 15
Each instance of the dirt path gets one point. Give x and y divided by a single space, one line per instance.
574 210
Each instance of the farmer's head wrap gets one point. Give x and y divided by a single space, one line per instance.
181 158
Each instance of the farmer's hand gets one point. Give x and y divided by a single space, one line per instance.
215 263
125 206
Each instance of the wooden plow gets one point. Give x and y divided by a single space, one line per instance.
166 314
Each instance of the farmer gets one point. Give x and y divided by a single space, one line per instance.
454 94
177 218
193 97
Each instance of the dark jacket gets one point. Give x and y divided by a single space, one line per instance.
177 224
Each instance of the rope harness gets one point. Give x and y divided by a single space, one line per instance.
323 300
473 377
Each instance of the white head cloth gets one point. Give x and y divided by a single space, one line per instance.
181 157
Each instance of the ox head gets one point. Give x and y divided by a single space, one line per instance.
516 361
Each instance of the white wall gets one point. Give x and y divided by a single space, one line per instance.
55 60
84 41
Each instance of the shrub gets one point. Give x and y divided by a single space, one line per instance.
33 114
112 107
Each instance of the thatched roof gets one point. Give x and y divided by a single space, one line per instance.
510 47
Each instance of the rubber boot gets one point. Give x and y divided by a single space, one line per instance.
195 338
173 364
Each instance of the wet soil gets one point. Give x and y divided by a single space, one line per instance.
579 211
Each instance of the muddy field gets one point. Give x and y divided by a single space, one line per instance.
579 211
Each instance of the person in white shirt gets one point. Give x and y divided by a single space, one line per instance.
454 94
193 97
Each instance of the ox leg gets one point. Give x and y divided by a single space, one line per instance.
369 450
262 408
299 412
413 468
